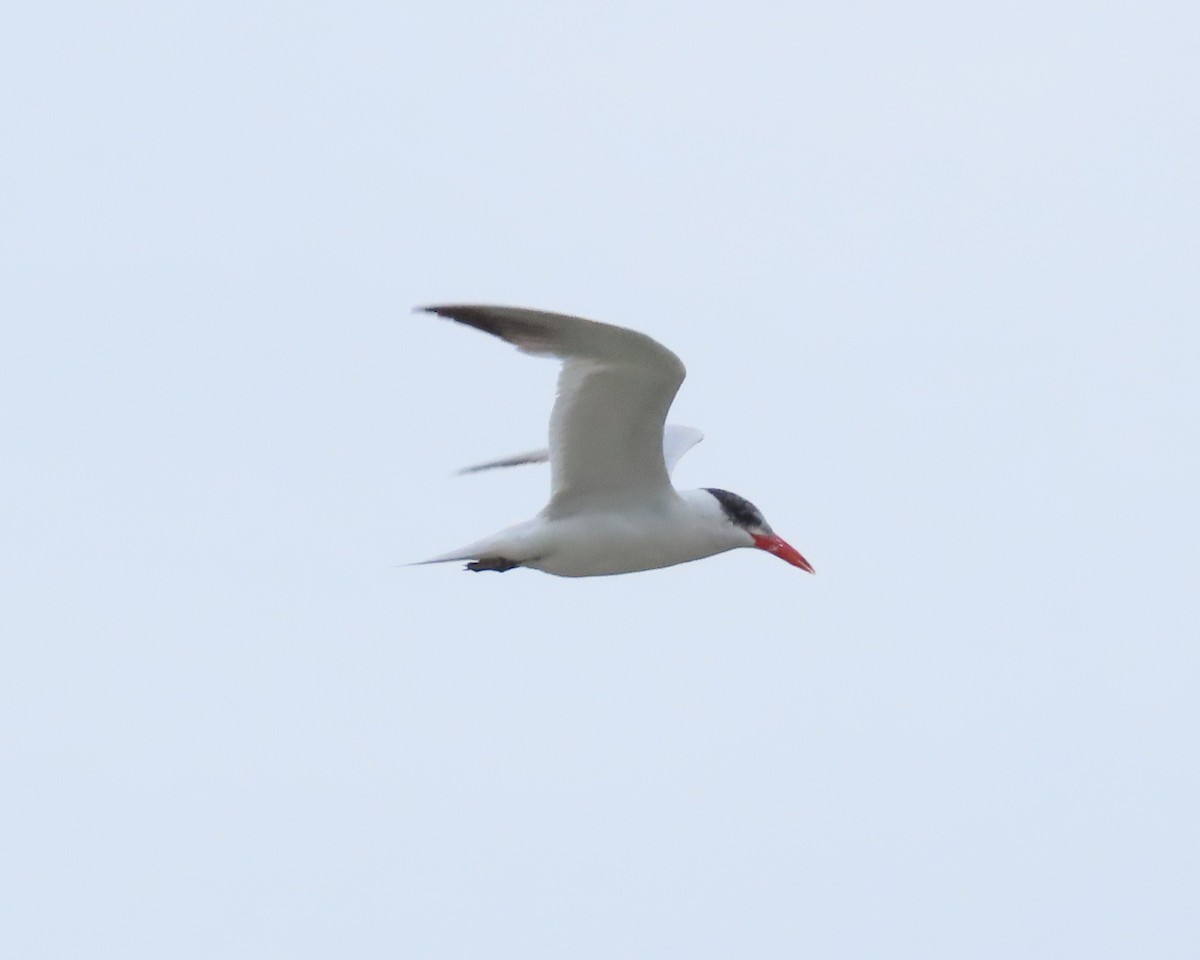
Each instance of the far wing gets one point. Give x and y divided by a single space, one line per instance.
614 390
516 460
677 440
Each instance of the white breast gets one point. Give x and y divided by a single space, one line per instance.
602 543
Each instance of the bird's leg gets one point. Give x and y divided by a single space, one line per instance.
499 564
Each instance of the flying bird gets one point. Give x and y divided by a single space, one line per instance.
612 506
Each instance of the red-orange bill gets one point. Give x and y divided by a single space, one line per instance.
783 550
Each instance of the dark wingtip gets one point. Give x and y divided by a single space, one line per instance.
438 310
498 321
479 317
448 310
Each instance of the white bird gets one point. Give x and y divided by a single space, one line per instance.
612 507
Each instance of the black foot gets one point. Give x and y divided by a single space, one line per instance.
499 564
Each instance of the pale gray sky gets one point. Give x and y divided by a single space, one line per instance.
933 269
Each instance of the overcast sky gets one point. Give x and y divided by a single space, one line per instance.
933 270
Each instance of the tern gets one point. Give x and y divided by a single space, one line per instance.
612 506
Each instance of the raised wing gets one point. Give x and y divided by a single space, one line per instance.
614 390
677 441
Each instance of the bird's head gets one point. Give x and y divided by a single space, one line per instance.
749 523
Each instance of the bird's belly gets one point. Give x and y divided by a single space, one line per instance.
604 545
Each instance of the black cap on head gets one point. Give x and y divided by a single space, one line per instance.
739 510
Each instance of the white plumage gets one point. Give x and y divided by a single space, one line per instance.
612 507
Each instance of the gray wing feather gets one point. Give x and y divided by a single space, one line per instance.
614 390
677 440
